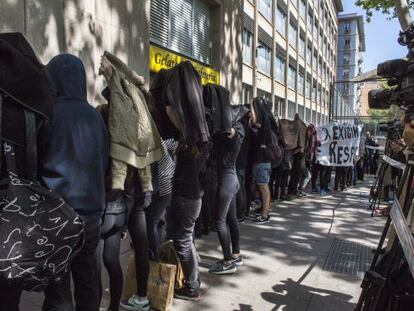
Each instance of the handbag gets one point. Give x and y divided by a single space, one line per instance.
40 233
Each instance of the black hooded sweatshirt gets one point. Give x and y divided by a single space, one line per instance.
75 155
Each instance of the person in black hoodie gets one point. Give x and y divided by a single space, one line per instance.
74 159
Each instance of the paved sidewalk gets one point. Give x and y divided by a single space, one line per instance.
309 257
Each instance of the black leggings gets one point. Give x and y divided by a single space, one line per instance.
226 221
108 250
137 227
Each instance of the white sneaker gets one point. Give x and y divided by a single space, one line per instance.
135 304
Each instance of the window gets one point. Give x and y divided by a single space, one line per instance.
309 55
182 26
347 44
308 115
247 46
346 59
319 94
315 60
345 74
292 77
280 106
314 93
302 46
265 7
280 64
291 110
294 2
247 94
320 39
302 8
310 20
301 111
308 87
347 28
315 30
263 55
281 21
301 83
292 34
320 68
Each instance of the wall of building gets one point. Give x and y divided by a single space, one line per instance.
85 28
264 26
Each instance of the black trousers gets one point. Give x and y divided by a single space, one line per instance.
325 177
137 227
108 254
84 270
154 229
298 166
241 198
207 216
226 221
340 177
9 298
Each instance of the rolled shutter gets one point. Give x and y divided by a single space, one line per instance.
181 31
159 22
202 32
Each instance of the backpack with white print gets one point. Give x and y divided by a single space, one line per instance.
39 233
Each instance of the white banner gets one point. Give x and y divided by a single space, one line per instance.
339 144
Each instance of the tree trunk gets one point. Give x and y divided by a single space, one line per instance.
403 13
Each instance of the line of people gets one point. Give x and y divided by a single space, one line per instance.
177 154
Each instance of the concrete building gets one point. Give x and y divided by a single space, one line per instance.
295 42
147 34
365 87
351 44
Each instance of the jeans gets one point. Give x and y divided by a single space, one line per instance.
183 214
137 227
226 221
108 252
241 198
325 177
58 297
153 216
209 199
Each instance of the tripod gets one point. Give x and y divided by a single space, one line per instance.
377 190
374 285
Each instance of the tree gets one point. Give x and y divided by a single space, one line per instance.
393 8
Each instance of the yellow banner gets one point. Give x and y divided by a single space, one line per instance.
163 59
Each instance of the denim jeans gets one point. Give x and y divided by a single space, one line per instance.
58 297
183 214
226 222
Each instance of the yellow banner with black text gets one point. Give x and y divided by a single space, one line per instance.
164 59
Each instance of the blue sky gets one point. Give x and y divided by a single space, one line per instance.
380 37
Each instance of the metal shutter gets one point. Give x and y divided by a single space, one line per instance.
202 32
159 22
265 38
181 32
248 23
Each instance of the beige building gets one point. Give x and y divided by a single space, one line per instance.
365 87
147 34
295 42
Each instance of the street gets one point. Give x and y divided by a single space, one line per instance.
290 262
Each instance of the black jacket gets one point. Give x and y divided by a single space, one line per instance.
75 155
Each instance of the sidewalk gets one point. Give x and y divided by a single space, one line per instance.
311 256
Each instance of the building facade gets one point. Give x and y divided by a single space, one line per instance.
365 87
351 44
147 34
289 55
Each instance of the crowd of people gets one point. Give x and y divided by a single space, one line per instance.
169 163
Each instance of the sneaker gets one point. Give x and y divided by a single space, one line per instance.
241 220
135 304
238 261
185 294
323 192
261 220
315 190
220 267
285 197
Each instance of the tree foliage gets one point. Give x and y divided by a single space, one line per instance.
386 7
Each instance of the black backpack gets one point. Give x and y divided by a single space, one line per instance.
40 234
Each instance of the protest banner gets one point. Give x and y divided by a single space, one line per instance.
339 144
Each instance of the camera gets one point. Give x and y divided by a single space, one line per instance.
400 77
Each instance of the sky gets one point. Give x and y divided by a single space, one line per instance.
381 37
